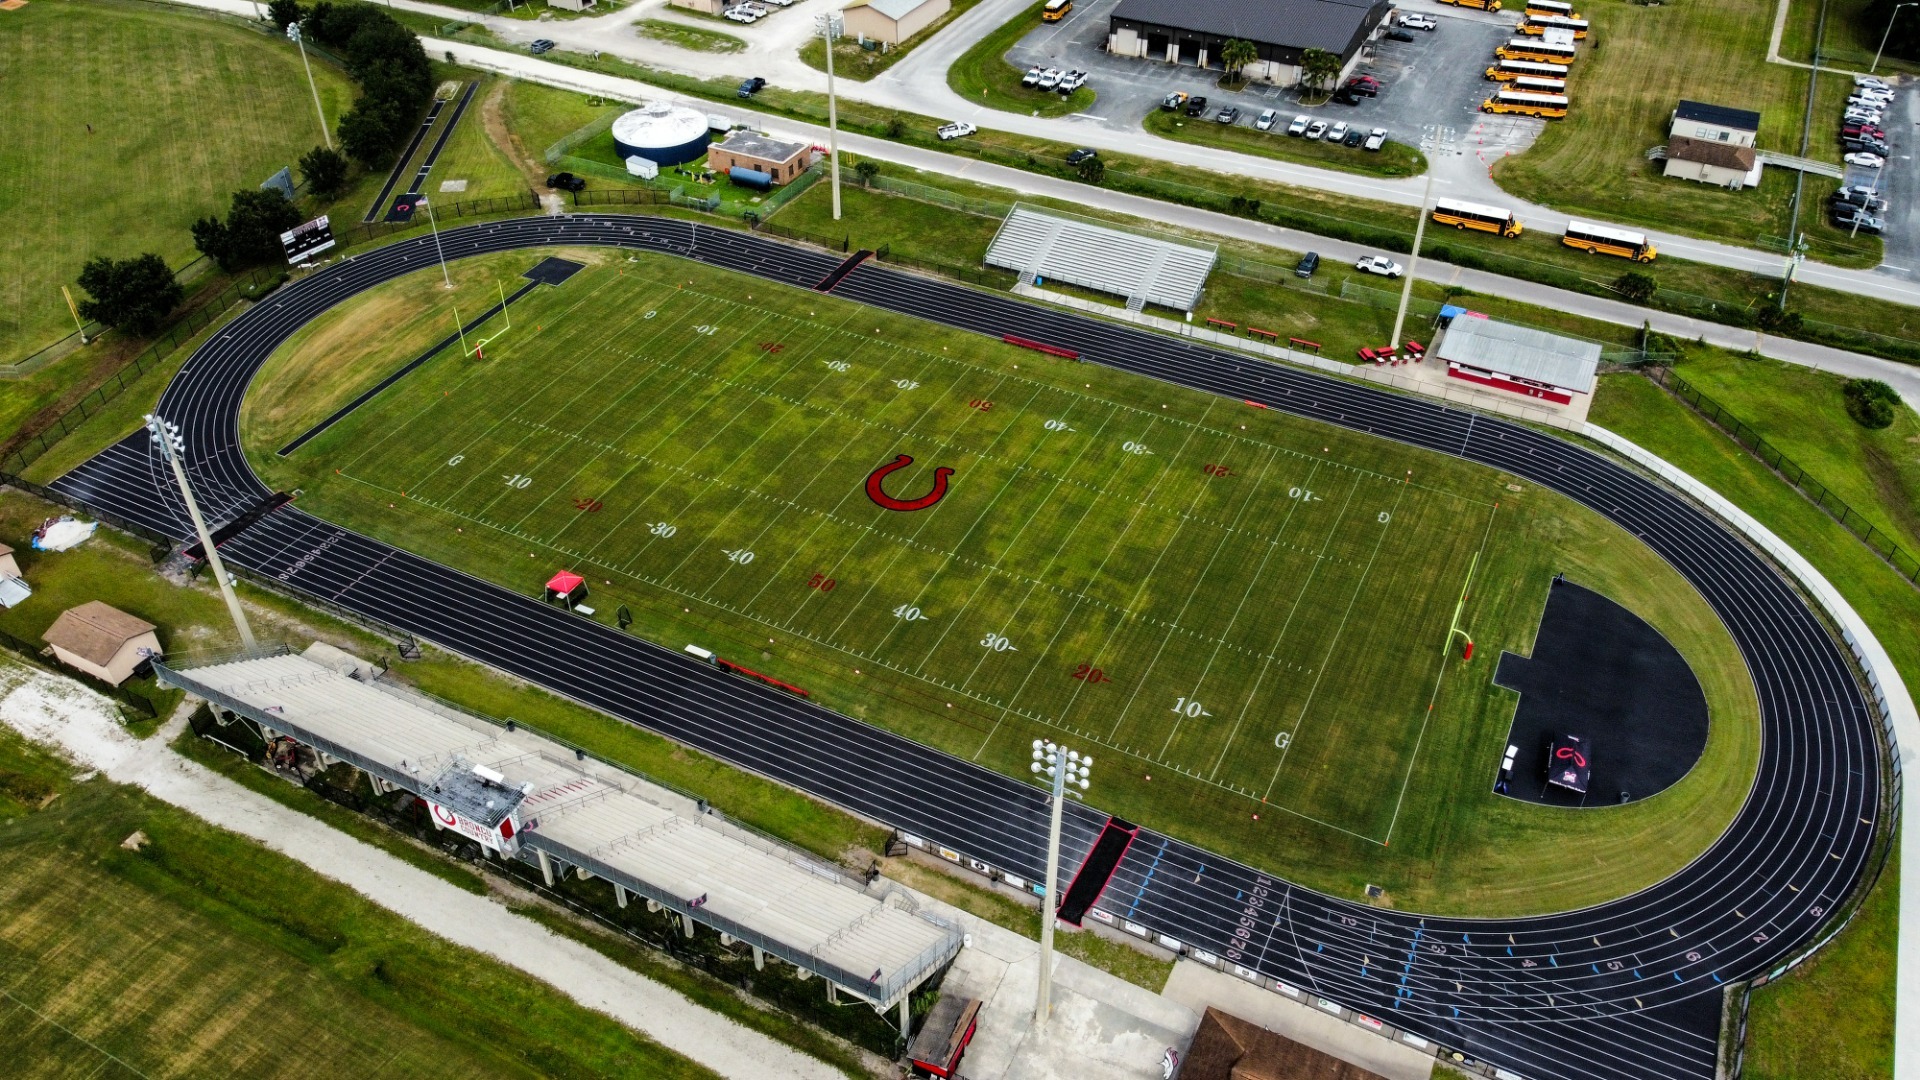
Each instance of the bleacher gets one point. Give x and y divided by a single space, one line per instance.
1044 246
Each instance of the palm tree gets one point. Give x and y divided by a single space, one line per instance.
1318 67
1235 55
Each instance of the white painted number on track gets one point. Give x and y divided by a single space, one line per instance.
1189 708
908 613
741 556
998 643
662 529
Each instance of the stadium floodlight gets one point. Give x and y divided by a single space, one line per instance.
294 35
438 250
1065 770
831 26
171 448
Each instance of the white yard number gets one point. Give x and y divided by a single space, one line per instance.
906 384
704 328
1302 494
742 556
1385 517
1189 708
1135 448
836 365
456 459
1283 740
518 482
662 529
1056 425
998 643
909 614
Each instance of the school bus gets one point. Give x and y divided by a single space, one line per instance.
1527 48
1477 5
1605 240
1509 70
1536 25
1533 85
1549 106
1551 7
1466 215
1056 10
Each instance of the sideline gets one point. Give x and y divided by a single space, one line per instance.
1892 696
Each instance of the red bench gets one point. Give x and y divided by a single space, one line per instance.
1223 322
1270 335
1418 350
1050 350
1305 344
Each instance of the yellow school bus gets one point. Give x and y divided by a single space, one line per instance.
1466 215
1523 103
1605 240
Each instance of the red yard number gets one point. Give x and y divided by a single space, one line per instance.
980 403
822 582
1216 470
1091 674
771 346
590 506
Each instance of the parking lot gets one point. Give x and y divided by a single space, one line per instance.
1431 88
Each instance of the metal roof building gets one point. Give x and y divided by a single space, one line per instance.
1517 359
1192 31
1044 245
522 795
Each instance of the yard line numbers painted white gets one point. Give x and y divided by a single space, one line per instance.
997 643
1056 425
908 613
1135 447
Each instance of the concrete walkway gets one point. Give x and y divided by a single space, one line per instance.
81 724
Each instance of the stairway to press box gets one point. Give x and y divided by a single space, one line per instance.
1091 880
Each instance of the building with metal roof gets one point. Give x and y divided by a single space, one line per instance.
1714 123
1192 31
1044 246
519 794
1518 359
891 21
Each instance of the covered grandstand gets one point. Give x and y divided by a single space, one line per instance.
521 795
1043 245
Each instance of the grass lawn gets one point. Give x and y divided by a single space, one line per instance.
184 110
238 961
1394 159
697 38
1832 1017
1639 62
1851 41
1211 689
541 115
853 61
470 155
983 74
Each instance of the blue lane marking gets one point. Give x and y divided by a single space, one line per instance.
1715 974
1148 880
1636 973
1677 978
1595 967
1553 960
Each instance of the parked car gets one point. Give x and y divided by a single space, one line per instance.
740 15
1266 120
1865 160
1415 21
1174 101
1316 129
1866 198
566 181
1051 78
1869 82
1307 265
1228 115
1337 132
1074 81
1380 264
1376 139
959 129
1867 146
1365 84
541 45
1346 95
1075 157
1354 138
1863 93
1857 220
752 86
1397 34
1197 105
1861 131
1032 77
1299 125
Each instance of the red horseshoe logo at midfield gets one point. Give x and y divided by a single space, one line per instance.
879 495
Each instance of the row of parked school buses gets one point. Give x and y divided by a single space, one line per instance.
1531 67
1585 236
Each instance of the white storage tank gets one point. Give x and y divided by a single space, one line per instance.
663 133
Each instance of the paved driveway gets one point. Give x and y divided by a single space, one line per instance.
1900 185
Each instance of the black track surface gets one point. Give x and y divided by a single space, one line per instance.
1599 670
1625 989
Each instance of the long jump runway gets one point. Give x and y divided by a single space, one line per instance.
1626 989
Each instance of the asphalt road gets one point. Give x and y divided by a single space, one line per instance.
1626 989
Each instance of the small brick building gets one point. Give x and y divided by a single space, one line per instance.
780 160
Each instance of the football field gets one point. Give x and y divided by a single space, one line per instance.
1243 616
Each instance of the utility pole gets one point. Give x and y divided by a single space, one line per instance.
166 439
1406 279
1888 34
293 35
438 250
1061 767
830 29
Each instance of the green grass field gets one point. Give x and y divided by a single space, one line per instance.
184 110
1245 614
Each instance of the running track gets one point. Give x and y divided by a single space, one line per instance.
1627 989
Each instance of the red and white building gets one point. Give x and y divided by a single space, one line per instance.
1531 363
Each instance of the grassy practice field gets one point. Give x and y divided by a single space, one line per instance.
1246 615
183 111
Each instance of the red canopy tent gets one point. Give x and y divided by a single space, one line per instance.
567 587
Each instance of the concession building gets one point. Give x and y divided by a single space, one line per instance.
1192 31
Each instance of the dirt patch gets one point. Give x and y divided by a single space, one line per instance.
493 118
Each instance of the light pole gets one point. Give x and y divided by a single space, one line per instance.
1062 767
293 35
1888 34
166 439
830 29
438 250
1413 260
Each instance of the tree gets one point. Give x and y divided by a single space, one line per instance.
372 131
325 170
134 294
1871 402
1318 68
1092 169
1235 55
866 171
251 232
284 13
1636 286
